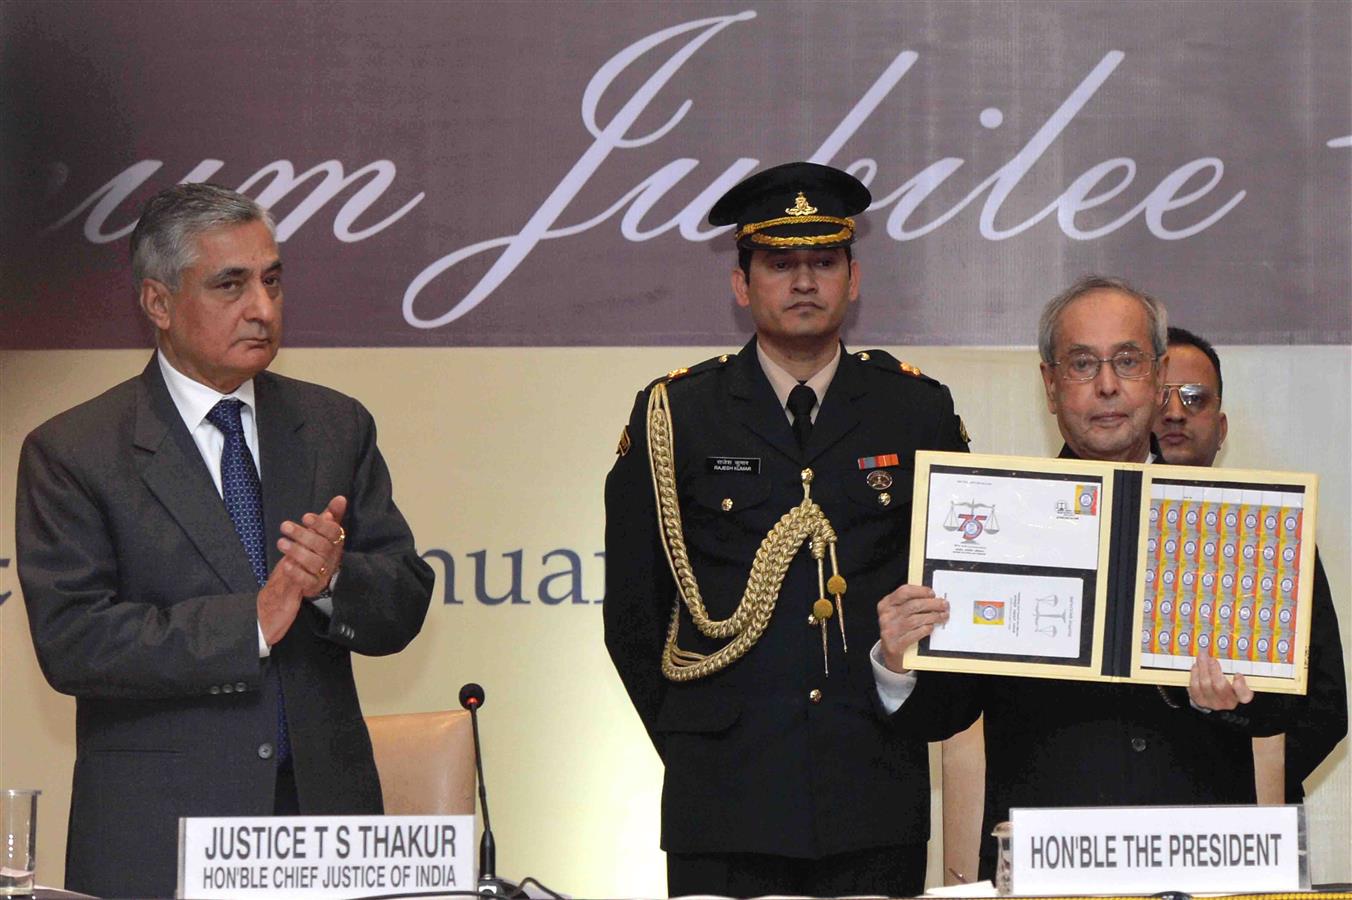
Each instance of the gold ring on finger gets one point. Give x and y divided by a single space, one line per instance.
342 536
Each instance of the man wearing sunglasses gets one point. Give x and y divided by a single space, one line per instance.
1190 428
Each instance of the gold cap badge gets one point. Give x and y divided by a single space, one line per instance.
801 207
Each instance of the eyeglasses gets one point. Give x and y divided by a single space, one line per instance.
1194 397
1084 366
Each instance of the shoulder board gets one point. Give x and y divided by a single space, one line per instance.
881 359
708 365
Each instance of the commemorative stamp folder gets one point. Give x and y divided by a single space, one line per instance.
1104 571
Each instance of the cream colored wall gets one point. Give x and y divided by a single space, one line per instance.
506 449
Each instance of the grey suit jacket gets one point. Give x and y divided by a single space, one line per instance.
142 605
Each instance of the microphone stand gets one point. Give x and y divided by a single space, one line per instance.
489 884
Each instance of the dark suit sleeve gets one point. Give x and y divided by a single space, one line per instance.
1324 721
384 586
941 705
639 586
92 641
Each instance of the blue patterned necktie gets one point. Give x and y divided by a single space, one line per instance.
243 495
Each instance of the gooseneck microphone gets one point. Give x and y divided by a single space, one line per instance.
471 698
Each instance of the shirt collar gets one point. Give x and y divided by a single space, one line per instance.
194 400
782 382
1150 457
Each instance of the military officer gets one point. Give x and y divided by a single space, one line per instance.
758 510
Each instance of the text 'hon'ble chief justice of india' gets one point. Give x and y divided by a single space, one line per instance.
1067 743
200 549
1191 427
741 591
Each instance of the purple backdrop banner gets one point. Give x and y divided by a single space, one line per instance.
469 174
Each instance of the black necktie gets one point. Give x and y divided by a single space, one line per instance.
801 400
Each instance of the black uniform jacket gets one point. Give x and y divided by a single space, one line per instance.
1071 743
772 755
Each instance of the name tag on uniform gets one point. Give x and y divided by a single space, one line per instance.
737 465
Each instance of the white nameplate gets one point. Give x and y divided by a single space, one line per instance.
1144 849
323 856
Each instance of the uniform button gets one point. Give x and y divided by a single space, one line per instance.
241 686
864 356
227 689
814 695
214 689
265 751
727 504
885 498
1138 744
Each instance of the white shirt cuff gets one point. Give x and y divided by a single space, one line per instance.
893 688
264 650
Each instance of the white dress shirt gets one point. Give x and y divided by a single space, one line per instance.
194 400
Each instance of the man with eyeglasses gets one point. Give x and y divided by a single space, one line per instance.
1191 428
1065 743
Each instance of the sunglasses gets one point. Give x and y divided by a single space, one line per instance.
1194 397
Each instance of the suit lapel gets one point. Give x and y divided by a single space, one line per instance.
839 414
174 472
288 460
755 405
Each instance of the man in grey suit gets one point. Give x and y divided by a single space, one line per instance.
200 549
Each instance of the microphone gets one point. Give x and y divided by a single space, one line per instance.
471 698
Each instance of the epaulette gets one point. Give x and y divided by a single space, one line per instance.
708 365
883 360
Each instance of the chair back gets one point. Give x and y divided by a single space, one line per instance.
1269 769
964 801
425 762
